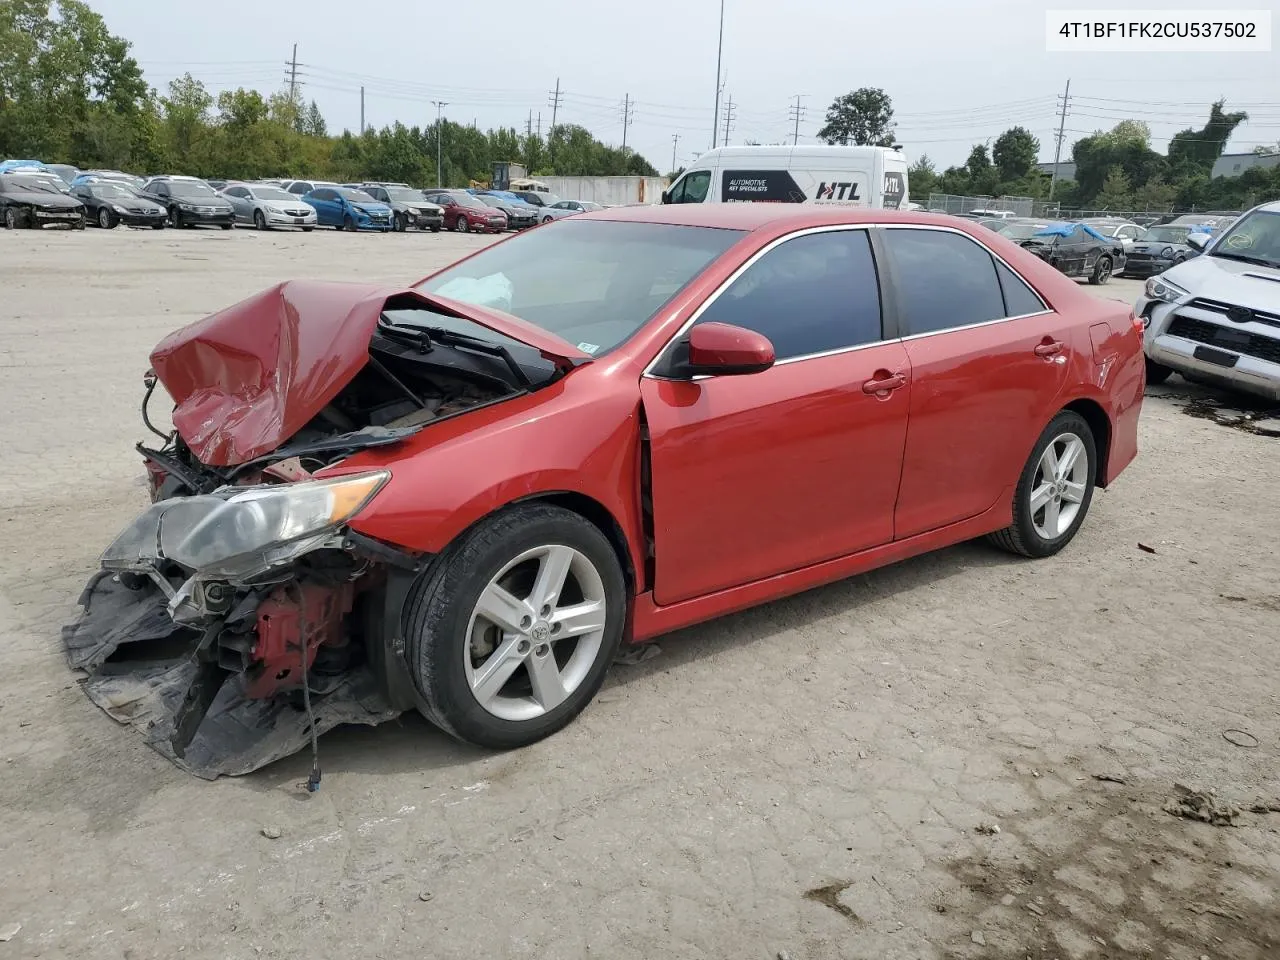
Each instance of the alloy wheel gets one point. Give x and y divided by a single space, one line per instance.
535 632
1059 487
104 218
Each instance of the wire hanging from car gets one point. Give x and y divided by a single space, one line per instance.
312 783
150 382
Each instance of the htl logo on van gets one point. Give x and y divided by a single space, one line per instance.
837 191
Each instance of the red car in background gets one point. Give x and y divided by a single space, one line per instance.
464 213
464 496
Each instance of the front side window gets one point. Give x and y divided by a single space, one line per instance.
943 280
299 188
811 294
325 195
693 189
591 283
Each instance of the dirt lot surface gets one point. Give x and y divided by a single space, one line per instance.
819 778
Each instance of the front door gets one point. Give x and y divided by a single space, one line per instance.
988 360
759 474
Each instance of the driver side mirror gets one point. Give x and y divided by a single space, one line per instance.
666 195
1197 241
719 349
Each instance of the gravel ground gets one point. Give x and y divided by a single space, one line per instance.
964 755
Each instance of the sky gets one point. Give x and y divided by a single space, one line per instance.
959 72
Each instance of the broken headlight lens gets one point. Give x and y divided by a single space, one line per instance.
238 532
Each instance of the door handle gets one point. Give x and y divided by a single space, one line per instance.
1050 349
884 384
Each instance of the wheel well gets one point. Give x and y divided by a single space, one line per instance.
597 514
1098 422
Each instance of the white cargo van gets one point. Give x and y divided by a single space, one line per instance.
848 176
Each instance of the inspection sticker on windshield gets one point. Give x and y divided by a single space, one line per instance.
588 347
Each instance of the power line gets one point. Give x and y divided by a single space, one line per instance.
797 113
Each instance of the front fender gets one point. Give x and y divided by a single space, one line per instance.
571 437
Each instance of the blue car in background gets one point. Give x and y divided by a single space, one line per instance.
8 165
346 209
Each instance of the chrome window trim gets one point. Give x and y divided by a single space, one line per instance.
833 228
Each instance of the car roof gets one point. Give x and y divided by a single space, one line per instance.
753 216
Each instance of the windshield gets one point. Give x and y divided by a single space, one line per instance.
1166 234
272 193
490 201
591 283
1021 231
111 191
1255 238
462 198
190 188
357 196
29 184
405 194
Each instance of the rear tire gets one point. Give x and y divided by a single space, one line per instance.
13 219
1157 373
1101 272
1041 523
444 627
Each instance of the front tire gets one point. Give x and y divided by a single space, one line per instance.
511 633
400 224
547 219
349 224
1157 373
435 228
463 225
106 220
175 219
1101 272
259 220
1054 492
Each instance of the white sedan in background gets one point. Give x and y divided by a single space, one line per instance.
566 208
267 206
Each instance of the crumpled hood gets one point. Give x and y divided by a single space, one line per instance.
1229 281
246 379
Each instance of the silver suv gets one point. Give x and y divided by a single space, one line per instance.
1217 317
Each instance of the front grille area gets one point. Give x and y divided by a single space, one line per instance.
1250 344
1217 306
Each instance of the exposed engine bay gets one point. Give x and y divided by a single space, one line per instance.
237 618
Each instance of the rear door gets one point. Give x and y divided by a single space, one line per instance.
988 361
755 475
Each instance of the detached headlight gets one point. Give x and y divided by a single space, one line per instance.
238 532
1160 289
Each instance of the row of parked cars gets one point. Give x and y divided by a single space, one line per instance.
1102 247
33 194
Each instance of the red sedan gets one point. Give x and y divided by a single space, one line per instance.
464 496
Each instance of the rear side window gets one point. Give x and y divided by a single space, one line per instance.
812 294
1019 299
944 280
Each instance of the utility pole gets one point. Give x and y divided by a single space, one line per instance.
797 113
715 117
293 74
628 109
675 139
551 131
440 105
362 111
728 119
1057 150
539 124
528 126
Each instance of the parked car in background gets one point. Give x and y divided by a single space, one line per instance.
1158 249
1208 222
108 204
520 216
993 224
561 209
118 176
47 177
302 187
410 207
537 198
1115 228
8 166
1074 249
268 207
218 184
1216 317
346 209
464 212
514 468
991 214
190 202
34 202
65 170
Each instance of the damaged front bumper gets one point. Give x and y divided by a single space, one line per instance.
208 649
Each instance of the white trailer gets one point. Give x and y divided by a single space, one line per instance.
609 191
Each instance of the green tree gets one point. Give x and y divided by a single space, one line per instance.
1015 153
863 117
922 179
1196 150
1116 191
313 125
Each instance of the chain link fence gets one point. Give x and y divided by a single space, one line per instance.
953 204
